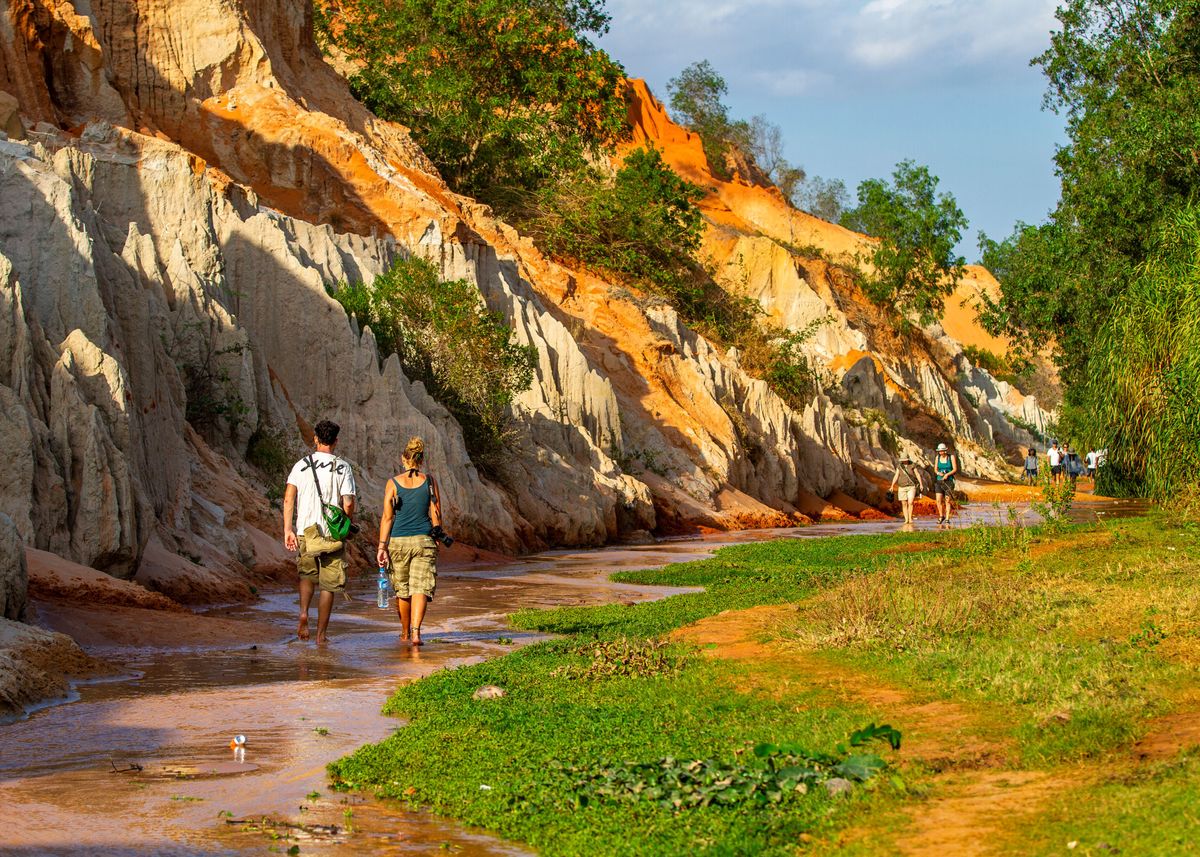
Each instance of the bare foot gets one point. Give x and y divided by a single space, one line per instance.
416 638
405 636
322 639
302 628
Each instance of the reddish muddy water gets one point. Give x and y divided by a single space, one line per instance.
142 764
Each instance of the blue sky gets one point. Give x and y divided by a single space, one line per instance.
857 86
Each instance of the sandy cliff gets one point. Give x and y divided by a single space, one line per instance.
190 177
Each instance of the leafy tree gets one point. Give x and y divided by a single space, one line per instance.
914 263
446 338
498 93
826 198
696 98
765 144
1125 74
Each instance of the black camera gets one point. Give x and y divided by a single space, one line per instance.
439 535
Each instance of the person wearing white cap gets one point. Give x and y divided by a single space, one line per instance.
908 480
945 465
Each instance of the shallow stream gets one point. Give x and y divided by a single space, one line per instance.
142 764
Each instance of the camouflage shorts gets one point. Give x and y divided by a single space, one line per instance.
413 566
327 569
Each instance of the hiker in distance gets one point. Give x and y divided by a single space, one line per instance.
1031 467
1054 457
908 480
411 520
945 465
320 494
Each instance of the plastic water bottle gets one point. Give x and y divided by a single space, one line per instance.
382 599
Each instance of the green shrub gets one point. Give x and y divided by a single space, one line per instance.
447 339
642 224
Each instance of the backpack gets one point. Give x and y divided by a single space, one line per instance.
335 517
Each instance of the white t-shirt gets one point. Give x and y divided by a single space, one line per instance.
1055 456
1091 459
337 481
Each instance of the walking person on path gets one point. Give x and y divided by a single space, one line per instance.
317 481
1092 458
1031 467
945 465
908 479
1054 458
412 518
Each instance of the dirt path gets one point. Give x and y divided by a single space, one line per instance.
975 799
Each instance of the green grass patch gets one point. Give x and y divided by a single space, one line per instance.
1149 811
1066 637
612 703
611 738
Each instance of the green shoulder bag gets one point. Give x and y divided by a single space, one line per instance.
336 520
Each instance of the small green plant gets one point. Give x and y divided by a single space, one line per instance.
1150 634
186 798
313 795
213 398
268 450
624 657
504 641
224 814
321 730
1057 499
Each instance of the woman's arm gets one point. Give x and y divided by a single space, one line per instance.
435 503
895 478
954 470
385 523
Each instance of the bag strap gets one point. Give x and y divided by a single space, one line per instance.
312 464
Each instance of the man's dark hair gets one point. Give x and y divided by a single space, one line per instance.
327 432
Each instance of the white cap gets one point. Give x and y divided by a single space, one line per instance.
942 447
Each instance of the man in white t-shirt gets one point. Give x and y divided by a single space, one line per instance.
1054 458
1092 457
318 478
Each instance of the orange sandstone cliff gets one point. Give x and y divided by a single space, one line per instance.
182 180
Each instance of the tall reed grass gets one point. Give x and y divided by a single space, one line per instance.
1141 396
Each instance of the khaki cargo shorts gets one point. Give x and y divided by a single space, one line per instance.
907 492
317 563
413 566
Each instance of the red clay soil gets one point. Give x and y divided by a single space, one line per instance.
974 801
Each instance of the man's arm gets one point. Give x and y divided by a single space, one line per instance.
289 516
348 504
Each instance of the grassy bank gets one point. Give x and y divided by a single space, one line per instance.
618 738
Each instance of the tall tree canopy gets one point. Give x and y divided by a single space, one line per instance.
499 94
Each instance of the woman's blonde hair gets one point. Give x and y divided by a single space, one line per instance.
415 451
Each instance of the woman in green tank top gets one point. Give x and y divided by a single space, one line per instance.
412 509
945 465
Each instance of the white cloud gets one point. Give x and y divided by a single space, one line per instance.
815 41
792 82
953 33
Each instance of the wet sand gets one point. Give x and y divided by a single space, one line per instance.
142 764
